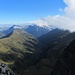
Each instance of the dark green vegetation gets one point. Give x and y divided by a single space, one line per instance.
54 44
65 65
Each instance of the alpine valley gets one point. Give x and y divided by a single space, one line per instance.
37 50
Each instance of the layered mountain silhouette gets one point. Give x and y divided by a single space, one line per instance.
34 50
37 31
33 29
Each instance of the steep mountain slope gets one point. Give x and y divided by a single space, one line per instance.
54 44
53 36
65 64
16 45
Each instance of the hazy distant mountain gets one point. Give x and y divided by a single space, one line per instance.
36 30
2 28
11 29
2 34
33 29
1 31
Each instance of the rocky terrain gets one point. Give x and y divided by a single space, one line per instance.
5 70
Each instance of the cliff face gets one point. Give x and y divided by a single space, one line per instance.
65 65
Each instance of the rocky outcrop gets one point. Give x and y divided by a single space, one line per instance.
5 70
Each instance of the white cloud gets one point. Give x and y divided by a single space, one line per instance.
70 9
66 22
57 21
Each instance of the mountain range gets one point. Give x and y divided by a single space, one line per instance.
54 44
36 50
33 29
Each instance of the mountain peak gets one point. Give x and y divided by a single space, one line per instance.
16 27
35 29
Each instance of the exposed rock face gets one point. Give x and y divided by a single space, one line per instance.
65 65
5 70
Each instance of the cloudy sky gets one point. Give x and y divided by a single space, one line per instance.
58 13
66 20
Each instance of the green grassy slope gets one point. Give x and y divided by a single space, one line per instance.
16 46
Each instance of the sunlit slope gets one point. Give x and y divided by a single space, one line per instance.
15 45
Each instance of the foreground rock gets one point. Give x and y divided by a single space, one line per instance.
5 70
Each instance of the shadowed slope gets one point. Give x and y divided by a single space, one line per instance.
54 44
65 65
